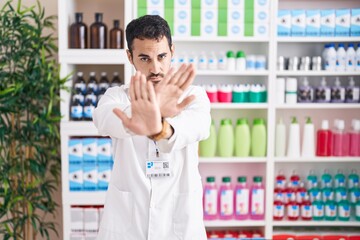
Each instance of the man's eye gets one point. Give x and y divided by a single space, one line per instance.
162 56
144 59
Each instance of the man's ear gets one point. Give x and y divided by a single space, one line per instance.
128 53
172 50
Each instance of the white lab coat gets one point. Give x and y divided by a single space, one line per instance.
140 208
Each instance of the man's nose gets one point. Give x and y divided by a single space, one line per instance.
155 67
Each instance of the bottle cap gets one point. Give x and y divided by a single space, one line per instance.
294 120
92 74
241 179
210 179
80 74
116 23
98 17
230 54
356 125
242 121
340 124
257 179
116 74
291 84
308 120
103 74
337 82
305 82
341 45
323 82
258 121
350 45
226 121
226 179
325 124
79 16
240 54
351 82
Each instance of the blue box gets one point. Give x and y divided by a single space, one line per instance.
342 23
284 23
327 27
104 174
75 151
298 23
355 22
75 177
90 150
104 154
90 173
312 23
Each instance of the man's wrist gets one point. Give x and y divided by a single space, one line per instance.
166 132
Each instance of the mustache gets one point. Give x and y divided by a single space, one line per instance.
155 75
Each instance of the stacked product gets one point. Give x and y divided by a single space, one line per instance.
85 221
235 235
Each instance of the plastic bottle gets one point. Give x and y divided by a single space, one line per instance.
90 94
352 94
291 90
193 59
353 178
92 84
327 192
242 199
308 144
311 179
257 199
318 209
354 138
76 110
240 61
354 193
80 84
323 92
357 58
357 209
103 83
231 61
278 209
340 139
207 148
339 192
293 149
279 191
225 140
242 138
183 58
295 179
339 178
337 92
210 199
330 209
344 209
212 61
289 192
226 199
116 36
293 209
330 60
326 178
203 61
258 138
314 193
300 193
280 141
98 33
324 140
305 92
250 62
222 61
78 32
325 56
88 111
340 58
306 209
116 81
350 58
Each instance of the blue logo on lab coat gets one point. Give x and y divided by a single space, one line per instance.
150 164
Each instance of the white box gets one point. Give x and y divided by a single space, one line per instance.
90 176
75 151
261 15
235 15
182 4
355 22
91 220
104 175
156 11
90 150
208 30
77 219
261 29
209 4
77 236
209 16
262 4
236 4
298 23
327 23
342 22
76 180
104 150
182 22
284 23
312 23
159 4
235 29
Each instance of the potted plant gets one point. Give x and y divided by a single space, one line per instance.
29 122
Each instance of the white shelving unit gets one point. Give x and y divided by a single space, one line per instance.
271 46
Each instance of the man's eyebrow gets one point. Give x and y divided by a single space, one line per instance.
143 55
162 54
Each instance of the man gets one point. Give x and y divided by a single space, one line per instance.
155 192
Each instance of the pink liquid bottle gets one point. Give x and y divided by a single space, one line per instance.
293 209
306 209
295 179
242 198
340 139
210 199
289 192
281 179
354 138
257 199
300 193
279 209
226 199
324 140
279 191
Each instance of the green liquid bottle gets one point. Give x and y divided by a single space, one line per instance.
353 178
318 209
242 138
330 209
357 209
258 138
327 192
326 178
339 178
226 138
344 209
207 148
311 179
354 194
314 193
339 191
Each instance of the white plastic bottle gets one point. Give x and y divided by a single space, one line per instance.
325 55
308 144
330 60
222 61
337 92
352 92
280 139
193 59
183 58
293 149
240 61
340 58
203 61
357 58
350 58
212 61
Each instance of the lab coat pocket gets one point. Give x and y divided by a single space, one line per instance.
188 222
119 211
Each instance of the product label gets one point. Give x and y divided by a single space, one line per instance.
293 211
306 211
323 94
279 211
344 211
226 201
257 205
80 86
210 202
88 111
103 86
300 196
242 201
353 94
352 181
76 112
330 210
318 210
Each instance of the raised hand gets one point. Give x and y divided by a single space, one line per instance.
145 112
169 90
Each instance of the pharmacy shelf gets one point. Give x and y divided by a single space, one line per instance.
315 73
234 223
315 223
316 39
230 73
80 128
239 105
221 39
84 198
317 159
93 56
232 160
324 106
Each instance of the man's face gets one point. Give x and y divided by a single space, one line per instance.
151 57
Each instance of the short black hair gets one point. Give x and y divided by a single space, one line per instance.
147 27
